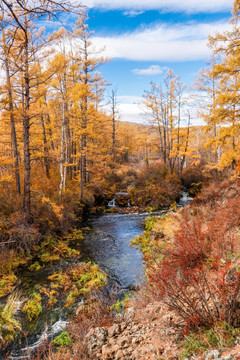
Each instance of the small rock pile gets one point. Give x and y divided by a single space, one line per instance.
232 354
130 339
122 341
148 334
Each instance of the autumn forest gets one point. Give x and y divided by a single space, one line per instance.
65 152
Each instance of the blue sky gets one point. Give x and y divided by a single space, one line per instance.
145 37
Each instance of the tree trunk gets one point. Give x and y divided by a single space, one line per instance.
62 152
50 132
12 120
186 144
26 133
113 101
83 160
46 152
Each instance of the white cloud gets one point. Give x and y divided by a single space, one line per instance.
127 99
164 42
189 6
129 108
151 70
132 109
131 112
132 13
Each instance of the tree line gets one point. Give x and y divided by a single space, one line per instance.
53 122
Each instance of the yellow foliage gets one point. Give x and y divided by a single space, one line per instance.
57 209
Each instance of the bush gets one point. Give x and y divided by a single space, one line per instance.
221 336
198 275
95 312
63 339
191 175
9 325
33 307
155 187
21 235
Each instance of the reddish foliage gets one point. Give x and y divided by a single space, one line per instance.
195 276
191 175
95 312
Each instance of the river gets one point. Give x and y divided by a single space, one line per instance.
106 244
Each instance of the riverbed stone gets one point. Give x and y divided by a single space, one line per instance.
106 351
124 341
101 334
213 354
112 341
96 338
114 330
135 340
119 355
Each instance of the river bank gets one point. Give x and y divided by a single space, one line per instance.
152 325
105 242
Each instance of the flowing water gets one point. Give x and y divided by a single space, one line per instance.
106 244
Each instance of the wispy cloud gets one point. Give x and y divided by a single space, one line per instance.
132 13
181 42
189 6
151 70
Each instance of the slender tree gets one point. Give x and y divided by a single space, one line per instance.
113 104
20 16
6 53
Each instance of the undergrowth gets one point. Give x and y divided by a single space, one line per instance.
195 269
9 325
220 336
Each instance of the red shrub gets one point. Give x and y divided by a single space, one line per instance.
195 276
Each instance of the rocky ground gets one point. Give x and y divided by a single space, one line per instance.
145 332
135 335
